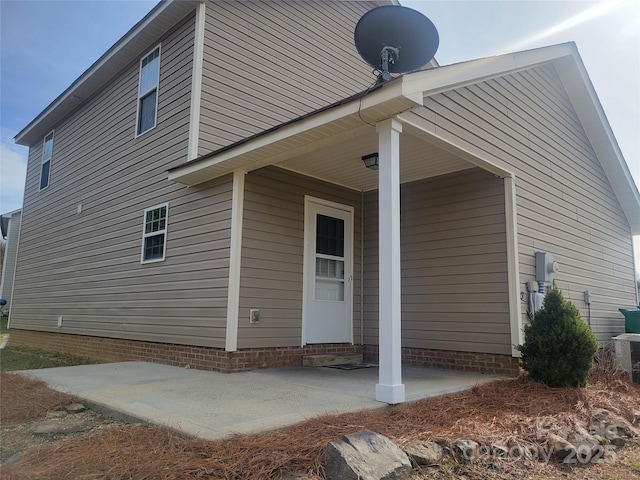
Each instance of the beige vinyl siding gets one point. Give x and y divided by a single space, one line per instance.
272 255
9 260
86 266
268 62
454 264
525 123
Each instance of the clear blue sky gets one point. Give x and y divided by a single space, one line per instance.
46 45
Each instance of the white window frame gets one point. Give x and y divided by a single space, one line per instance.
142 95
152 234
46 159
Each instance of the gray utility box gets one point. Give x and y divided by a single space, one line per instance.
628 354
545 267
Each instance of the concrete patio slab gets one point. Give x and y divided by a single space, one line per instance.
214 405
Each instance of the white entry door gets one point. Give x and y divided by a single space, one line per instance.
328 293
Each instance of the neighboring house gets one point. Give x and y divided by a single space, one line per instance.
265 242
10 227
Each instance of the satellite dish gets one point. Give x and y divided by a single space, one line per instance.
395 39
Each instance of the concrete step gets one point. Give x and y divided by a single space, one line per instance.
329 359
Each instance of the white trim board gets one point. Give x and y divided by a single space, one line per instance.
196 82
235 258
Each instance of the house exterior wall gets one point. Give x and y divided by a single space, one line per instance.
80 258
271 272
269 62
526 124
454 264
81 239
9 260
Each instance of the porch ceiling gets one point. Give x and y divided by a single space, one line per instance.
340 162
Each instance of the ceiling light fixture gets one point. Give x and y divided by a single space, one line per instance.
371 161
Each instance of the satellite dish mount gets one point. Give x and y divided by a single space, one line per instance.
388 56
395 39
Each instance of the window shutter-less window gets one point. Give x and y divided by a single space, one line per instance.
47 154
154 233
148 91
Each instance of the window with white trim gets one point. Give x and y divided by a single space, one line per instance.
45 167
154 233
148 91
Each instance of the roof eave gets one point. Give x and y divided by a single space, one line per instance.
587 106
399 95
133 44
384 102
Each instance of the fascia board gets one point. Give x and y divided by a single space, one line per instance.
430 82
587 106
11 213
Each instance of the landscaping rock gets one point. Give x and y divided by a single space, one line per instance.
604 420
561 447
13 459
425 453
500 451
56 414
74 408
615 439
581 437
53 427
366 455
444 443
468 449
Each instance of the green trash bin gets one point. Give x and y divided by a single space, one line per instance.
631 320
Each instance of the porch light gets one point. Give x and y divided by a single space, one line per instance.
371 161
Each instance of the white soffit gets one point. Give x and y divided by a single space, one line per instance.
341 163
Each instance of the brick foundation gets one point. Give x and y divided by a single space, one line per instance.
454 360
202 358
216 359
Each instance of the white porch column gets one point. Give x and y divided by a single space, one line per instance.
235 257
390 388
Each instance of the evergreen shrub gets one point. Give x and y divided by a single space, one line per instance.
559 346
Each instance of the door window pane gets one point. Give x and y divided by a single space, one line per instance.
330 236
327 268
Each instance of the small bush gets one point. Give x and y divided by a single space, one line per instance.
559 346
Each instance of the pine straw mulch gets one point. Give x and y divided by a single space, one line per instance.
503 412
23 399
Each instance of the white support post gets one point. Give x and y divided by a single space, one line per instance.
390 388
235 256
513 269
